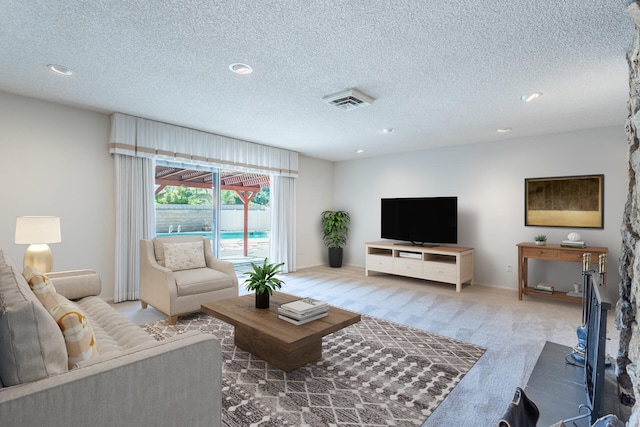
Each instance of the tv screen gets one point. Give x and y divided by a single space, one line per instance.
420 220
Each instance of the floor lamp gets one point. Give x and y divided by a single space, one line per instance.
37 231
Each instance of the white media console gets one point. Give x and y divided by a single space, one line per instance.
448 264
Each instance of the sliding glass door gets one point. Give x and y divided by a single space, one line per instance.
231 208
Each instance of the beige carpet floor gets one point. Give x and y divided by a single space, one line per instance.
513 332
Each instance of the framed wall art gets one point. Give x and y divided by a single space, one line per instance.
566 201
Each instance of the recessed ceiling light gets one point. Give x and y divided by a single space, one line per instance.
388 130
240 68
504 130
528 97
360 151
59 69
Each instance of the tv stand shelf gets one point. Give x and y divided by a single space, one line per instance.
447 264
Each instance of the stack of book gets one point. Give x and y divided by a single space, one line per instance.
303 311
543 288
573 244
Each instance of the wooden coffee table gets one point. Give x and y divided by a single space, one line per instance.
282 344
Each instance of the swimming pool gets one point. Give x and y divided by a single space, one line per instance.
223 234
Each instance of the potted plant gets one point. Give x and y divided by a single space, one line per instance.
263 281
335 229
540 239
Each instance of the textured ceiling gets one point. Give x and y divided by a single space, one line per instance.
441 72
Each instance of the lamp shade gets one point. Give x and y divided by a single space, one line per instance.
37 230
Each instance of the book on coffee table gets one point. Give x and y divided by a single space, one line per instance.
302 321
301 316
304 305
303 310
305 316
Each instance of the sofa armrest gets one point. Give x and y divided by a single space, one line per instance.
176 382
76 284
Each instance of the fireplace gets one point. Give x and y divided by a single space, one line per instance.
628 358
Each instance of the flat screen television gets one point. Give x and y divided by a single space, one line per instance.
597 303
420 220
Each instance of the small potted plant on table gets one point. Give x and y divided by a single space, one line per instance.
540 239
263 281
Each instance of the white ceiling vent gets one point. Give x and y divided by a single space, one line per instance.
348 100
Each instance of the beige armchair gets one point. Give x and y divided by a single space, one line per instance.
177 276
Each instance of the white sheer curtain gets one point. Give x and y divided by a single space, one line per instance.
135 220
136 143
283 222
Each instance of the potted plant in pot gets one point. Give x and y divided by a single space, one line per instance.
263 281
540 239
335 229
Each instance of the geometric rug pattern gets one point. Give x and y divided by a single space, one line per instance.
372 373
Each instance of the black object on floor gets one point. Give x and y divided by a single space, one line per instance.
522 412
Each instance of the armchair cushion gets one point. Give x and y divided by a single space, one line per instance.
199 280
184 256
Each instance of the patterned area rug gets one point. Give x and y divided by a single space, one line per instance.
373 373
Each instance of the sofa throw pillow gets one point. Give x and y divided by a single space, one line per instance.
38 282
184 256
76 330
31 345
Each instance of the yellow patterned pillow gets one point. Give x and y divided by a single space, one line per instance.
38 282
76 330
75 327
184 256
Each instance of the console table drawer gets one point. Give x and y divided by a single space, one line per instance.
440 272
540 253
407 267
574 256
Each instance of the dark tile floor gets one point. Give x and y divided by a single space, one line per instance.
558 389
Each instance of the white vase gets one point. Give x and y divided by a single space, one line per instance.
539 243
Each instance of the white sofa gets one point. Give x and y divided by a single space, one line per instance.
135 380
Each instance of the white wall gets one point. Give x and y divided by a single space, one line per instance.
314 188
54 160
489 182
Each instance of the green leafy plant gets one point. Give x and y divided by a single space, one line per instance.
335 228
263 278
540 238
174 195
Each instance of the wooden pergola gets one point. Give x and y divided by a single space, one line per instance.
246 185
